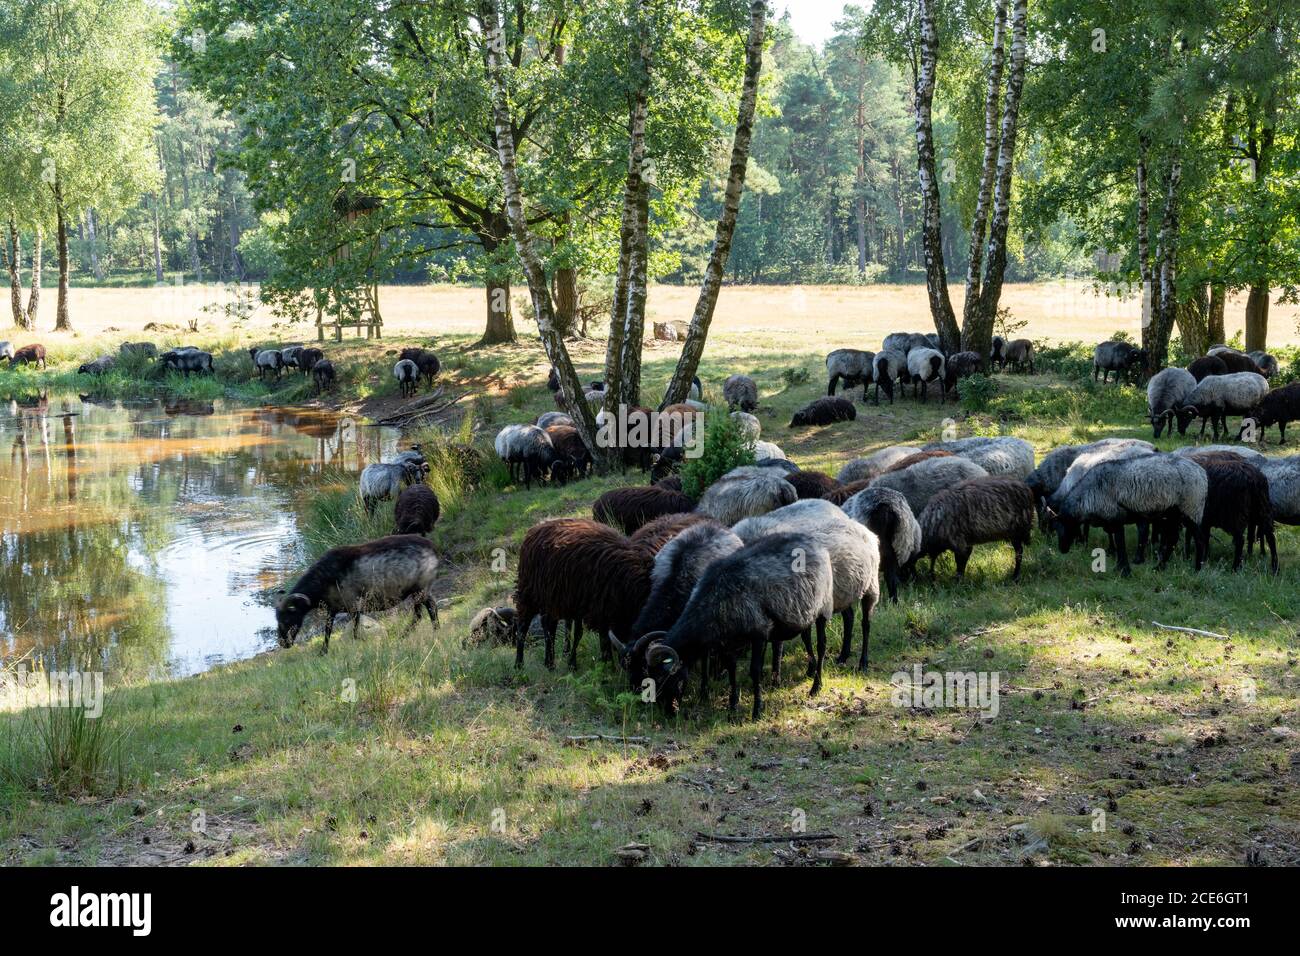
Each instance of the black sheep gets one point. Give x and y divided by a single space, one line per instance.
322 373
425 361
572 459
1236 362
824 411
630 508
307 359
1207 365
1237 501
958 366
417 510
1279 407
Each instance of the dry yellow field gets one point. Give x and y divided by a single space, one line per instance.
823 315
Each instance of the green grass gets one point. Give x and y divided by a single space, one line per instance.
424 750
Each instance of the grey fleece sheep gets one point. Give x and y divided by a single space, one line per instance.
1283 476
922 481
1218 396
1019 353
1118 357
1267 363
739 391
547 419
101 365
1167 490
958 366
925 365
874 464
527 446
850 367
749 426
1166 393
1047 477
1002 455
890 367
887 515
379 482
746 491
854 554
268 360
407 374
897 342
1199 451
764 450
1094 455
978 511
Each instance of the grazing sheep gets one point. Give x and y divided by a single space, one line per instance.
812 484
897 342
910 460
766 449
628 509
1019 354
1241 451
922 340
416 511
186 361
744 601
1283 475
1266 363
925 365
824 411
890 367
491 626
553 380
842 493
739 391
921 482
850 366
374 576
784 465
888 516
1217 397
1238 362
407 374
572 457
101 365
1118 357
1237 501
425 361
28 355
1166 393
746 491
1095 454
307 359
323 375
1280 407
978 511
1220 348
874 464
1206 366
382 481
547 419
268 360
1044 480
998 352
1165 490
958 366
6 350
147 349
750 429
1002 455
289 356
527 446
855 562
669 483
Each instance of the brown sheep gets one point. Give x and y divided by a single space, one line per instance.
842 493
919 456
417 510
812 484
630 508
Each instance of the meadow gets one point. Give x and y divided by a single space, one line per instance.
1115 741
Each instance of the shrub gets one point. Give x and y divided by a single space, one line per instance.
725 448
794 376
977 391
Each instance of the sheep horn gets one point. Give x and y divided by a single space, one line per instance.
619 646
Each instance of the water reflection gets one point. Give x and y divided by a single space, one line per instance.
135 536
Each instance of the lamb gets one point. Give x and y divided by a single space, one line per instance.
1206 366
855 563
850 366
750 429
745 491
825 411
1002 455
416 511
1019 354
1166 393
268 360
407 374
812 484
921 482
1167 490
888 516
1267 364
381 481
99 366
1280 407
1237 501
147 349
1118 357
958 366
323 376
890 367
842 493
1217 397
739 391
527 446
186 361
572 457
925 365
425 361
630 508
6 350
978 511
307 359
547 419
875 463
997 352
28 355
374 576
766 449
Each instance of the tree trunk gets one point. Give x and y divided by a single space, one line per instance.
1150 294
1193 317
936 275
1168 266
500 323
1257 317
38 273
638 267
693 348
13 257
157 244
1214 321
979 337
96 269
61 321
571 392
566 300
979 222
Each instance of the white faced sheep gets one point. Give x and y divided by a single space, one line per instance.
768 592
850 367
978 511
739 391
374 576
1218 396
922 481
1001 455
382 481
874 464
887 515
925 365
750 429
527 447
1165 490
746 491
407 374
890 367
1166 393
854 553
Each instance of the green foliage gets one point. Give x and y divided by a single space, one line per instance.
793 377
977 391
62 748
725 448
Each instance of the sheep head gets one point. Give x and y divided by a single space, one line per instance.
665 667
289 615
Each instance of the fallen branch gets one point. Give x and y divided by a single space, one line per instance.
405 418
767 838
582 738
1190 630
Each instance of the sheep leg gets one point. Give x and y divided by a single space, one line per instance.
807 646
1144 532
961 556
574 636
1272 546
329 628
866 635
778 651
415 619
834 382
891 582
821 657
756 674
1121 550
431 606
606 648
733 699
846 617
1202 545
548 626
1238 541
1019 547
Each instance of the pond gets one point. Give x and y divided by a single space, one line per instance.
142 538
